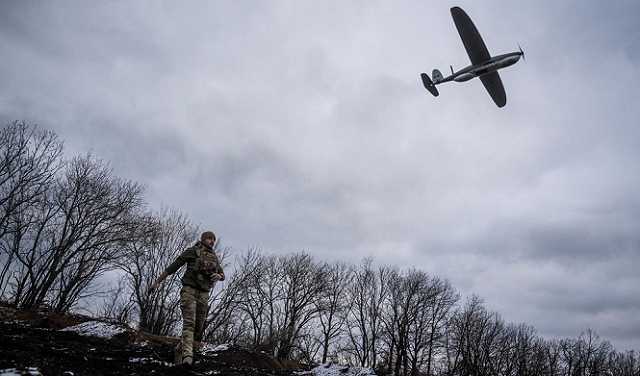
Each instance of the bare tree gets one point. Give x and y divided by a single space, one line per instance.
367 295
78 233
332 305
359 295
225 321
29 161
309 344
402 302
118 305
624 364
224 303
591 353
259 287
407 320
444 299
158 240
257 293
303 284
475 337
551 350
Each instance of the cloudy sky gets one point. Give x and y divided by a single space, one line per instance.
295 125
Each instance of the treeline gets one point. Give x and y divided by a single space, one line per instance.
398 322
64 223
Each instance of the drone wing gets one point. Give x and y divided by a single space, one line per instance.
493 84
470 36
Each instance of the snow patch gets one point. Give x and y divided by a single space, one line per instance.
336 370
32 371
150 361
208 348
96 329
16 322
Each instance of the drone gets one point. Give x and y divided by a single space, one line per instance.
483 65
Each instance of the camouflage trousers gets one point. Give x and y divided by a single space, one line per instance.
193 303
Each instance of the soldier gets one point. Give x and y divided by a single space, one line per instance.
203 270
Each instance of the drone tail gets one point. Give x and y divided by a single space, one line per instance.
428 84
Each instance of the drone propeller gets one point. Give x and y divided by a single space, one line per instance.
521 52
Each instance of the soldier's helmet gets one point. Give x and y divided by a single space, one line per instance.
208 235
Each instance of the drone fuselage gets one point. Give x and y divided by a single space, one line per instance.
478 70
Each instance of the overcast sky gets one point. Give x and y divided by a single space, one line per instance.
295 125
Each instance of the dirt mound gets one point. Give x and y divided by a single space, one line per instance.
48 344
42 318
239 357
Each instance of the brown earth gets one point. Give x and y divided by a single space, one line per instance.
33 339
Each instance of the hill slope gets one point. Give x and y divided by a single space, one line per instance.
49 344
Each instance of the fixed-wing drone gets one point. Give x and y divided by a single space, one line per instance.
483 65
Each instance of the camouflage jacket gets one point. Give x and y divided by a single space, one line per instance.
202 262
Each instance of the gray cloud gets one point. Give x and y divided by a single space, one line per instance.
303 126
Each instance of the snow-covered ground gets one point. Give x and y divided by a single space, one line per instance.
96 329
336 370
150 361
142 344
208 348
14 372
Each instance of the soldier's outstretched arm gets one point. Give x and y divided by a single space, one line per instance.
173 267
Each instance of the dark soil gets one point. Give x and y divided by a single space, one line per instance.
33 339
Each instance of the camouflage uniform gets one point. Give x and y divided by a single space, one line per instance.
202 263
